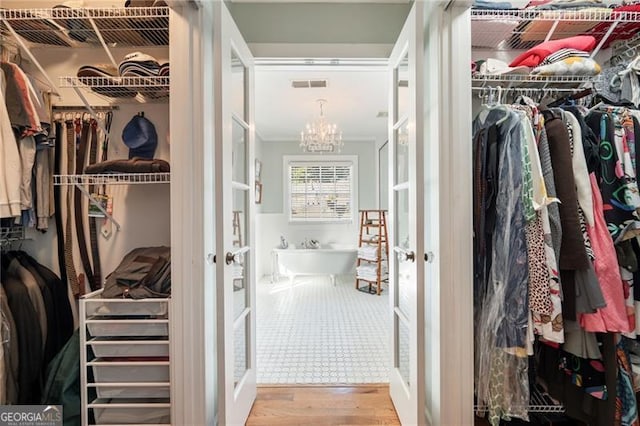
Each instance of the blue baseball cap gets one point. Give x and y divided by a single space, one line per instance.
140 136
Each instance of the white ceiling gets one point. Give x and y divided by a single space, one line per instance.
355 95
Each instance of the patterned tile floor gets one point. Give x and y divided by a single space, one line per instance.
316 333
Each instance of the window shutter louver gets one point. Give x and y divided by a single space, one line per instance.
320 191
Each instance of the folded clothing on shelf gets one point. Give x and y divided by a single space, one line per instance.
492 66
566 4
534 56
137 64
491 4
145 3
164 70
143 272
568 65
132 165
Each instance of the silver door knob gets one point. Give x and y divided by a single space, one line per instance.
429 256
211 258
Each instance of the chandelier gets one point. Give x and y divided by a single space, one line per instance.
321 136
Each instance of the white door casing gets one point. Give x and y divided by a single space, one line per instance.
448 214
406 219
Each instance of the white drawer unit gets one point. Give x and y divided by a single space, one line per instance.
133 346
125 361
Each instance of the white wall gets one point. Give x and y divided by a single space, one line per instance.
272 221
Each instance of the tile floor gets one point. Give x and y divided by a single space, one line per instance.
315 333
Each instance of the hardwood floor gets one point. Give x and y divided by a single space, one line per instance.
323 405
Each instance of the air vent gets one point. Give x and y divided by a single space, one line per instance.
383 114
306 84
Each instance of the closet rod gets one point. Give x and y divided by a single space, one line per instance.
83 107
31 57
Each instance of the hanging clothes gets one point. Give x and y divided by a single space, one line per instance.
10 160
613 316
504 311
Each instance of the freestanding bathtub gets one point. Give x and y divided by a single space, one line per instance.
323 261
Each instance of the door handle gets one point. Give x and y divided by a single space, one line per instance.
428 257
211 258
235 256
408 254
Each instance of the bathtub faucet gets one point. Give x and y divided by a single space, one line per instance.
311 244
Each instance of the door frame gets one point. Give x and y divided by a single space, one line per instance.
190 332
192 329
448 229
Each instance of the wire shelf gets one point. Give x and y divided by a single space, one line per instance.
136 83
528 78
588 14
11 233
539 402
112 179
532 82
150 88
523 29
62 26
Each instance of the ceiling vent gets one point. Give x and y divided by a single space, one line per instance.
382 114
307 84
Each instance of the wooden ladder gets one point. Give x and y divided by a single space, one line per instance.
373 232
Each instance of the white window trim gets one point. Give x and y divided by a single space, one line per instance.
311 159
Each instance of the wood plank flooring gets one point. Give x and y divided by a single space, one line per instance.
323 405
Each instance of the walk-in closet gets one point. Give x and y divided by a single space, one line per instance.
86 91
555 142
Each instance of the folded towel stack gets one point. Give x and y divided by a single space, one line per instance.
237 271
370 253
369 272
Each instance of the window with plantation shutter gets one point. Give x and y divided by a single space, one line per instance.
320 191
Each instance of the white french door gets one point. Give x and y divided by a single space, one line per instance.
234 212
406 213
